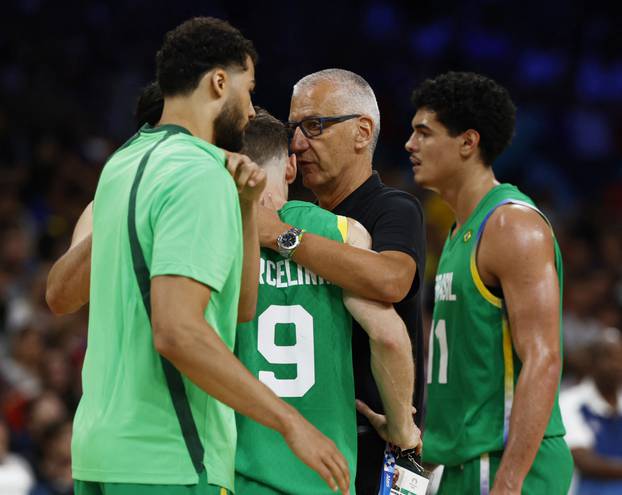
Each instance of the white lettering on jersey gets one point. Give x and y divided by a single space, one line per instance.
282 274
442 288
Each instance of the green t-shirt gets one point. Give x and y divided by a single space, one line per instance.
472 364
300 345
188 223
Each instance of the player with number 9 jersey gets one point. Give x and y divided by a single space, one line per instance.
300 345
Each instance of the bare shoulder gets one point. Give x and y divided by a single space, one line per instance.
358 235
515 238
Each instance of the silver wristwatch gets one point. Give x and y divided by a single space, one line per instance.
288 241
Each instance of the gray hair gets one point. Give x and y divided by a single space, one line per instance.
354 93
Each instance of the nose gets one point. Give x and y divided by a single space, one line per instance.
251 111
299 142
411 144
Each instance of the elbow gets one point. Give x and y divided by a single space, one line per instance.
392 290
553 365
391 339
166 341
545 365
245 316
246 312
54 300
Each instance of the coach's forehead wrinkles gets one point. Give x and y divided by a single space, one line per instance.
319 99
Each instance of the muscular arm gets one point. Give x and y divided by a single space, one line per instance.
517 253
250 181
386 276
182 335
68 282
391 354
250 267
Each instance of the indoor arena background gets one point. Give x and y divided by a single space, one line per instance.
70 73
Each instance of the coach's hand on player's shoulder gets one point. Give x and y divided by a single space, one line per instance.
406 436
249 177
318 452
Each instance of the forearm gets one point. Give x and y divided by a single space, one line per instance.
363 272
391 358
201 355
68 282
593 465
250 268
533 401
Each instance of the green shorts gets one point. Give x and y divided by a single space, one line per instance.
102 488
550 473
246 486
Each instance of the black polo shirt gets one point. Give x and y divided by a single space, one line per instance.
395 221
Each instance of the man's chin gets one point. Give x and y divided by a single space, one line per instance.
310 181
421 181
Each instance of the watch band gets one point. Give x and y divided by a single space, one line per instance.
288 242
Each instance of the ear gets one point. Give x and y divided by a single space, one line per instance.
364 133
291 168
469 142
216 82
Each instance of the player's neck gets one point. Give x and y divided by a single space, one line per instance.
182 111
332 194
273 196
465 193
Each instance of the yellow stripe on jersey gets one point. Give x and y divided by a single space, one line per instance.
342 225
483 290
508 378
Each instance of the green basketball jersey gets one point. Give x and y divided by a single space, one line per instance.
472 365
299 344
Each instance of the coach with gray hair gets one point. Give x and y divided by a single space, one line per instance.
334 123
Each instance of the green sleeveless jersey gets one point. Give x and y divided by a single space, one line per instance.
299 344
472 366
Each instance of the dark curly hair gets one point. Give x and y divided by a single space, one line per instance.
196 47
149 105
265 137
465 100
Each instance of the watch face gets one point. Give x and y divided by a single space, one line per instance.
288 240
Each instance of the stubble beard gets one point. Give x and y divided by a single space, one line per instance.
229 128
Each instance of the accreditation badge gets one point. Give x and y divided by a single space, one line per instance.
402 474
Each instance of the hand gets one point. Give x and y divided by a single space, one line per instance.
269 226
408 437
249 178
319 453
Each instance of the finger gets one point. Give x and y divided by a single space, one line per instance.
365 410
414 410
342 464
419 447
257 177
337 474
261 177
326 475
232 163
243 175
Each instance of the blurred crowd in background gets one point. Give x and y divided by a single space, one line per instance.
70 73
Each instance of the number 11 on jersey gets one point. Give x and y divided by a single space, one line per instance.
441 334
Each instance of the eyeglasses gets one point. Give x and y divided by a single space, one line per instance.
314 126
